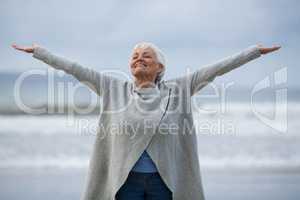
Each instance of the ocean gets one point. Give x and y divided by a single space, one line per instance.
248 151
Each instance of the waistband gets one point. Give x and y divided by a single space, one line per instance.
142 173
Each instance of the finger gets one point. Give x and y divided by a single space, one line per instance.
275 48
19 48
14 46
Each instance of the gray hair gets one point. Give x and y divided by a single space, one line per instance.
159 54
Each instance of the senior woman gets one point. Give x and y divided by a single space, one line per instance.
156 157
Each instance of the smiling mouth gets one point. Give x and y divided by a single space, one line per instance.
140 65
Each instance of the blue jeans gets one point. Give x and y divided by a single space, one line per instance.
144 186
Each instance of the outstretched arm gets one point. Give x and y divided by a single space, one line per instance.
93 79
200 78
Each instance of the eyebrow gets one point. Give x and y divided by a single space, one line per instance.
147 52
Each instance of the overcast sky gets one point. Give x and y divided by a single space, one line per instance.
192 33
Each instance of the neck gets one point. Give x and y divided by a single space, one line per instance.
144 83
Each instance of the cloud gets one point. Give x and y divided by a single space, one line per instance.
192 33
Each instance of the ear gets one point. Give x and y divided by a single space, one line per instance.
161 67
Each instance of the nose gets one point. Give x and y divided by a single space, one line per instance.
140 57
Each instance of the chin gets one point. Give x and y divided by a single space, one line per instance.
139 72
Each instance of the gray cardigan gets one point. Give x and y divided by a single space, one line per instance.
129 124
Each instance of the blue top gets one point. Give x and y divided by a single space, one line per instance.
145 164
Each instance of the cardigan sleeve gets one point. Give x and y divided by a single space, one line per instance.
96 81
200 78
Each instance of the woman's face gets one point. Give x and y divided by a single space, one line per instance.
144 63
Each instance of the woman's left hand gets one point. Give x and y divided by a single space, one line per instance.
265 50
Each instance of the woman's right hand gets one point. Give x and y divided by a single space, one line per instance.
28 49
